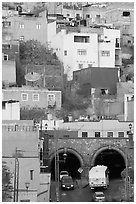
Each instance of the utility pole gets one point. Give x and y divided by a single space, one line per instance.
16 177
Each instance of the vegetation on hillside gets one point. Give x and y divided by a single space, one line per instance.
6 183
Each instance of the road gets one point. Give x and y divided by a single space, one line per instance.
82 192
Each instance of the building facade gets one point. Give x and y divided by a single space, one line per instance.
87 51
10 110
34 97
37 26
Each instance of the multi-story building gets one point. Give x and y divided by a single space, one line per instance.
10 54
23 162
10 110
121 15
81 50
33 97
19 25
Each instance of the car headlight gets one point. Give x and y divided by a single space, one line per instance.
72 185
63 185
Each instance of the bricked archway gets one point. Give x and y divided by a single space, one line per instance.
106 148
68 150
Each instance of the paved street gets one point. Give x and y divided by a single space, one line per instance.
82 192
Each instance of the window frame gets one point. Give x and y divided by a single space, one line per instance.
21 38
109 136
84 134
81 51
121 136
79 66
34 95
21 25
31 174
5 55
48 99
26 96
105 53
99 134
65 53
38 26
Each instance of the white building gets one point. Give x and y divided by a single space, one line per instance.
10 110
82 50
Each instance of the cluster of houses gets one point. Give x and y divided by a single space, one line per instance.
88 43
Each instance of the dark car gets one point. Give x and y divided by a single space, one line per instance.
99 197
67 182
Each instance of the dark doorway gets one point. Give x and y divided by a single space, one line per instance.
113 160
70 164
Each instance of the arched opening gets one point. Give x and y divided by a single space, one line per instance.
113 159
71 163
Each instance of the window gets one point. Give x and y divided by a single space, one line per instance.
68 14
35 97
51 100
65 52
5 57
38 26
66 136
84 134
6 46
105 53
87 16
80 66
21 25
21 37
82 39
117 42
3 105
31 174
89 65
109 134
120 134
24 96
126 13
26 200
97 134
104 91
6 24
82 52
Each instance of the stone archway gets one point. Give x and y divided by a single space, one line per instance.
106 148
68 150
71 164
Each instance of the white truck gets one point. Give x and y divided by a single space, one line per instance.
99 176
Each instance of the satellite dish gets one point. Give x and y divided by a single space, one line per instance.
32 76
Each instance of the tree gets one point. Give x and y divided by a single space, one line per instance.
35 55
6 182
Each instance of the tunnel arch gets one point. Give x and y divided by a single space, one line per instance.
112 157
72 163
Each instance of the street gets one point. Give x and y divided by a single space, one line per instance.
83 193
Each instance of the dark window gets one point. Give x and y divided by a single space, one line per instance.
81 39
27 200
80 66
66 136
3 105
120 134
6 57
51 136
109 134
97 134
126 13
87 16
84 134
31 174
65 52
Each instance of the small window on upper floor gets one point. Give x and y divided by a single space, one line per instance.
5 57
105 53
31 174
35 97
21 38
65 52
84 134
24 96
126 13
120 134
82 39
80 66
87 15
38 26
97 134
21 25
109 134
3 105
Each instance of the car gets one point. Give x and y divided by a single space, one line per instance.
67 182
63 173
99 197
